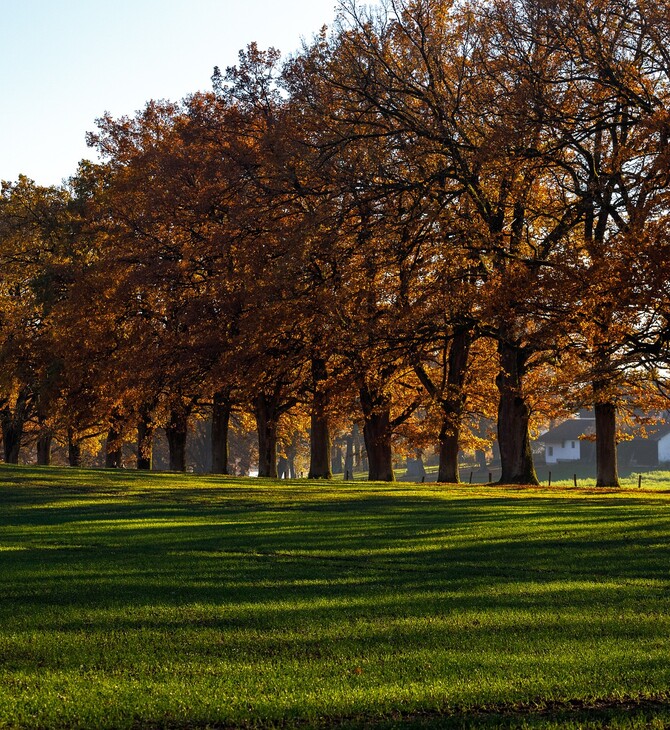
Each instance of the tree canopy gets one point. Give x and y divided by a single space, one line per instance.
432 214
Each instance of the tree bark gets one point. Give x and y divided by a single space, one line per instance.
607 470
44 448
319 435
449 446
73 448
266 424
358 446
453 406
377 434
12 421
145 441
12 431
113 454
349 457
176 432
451 399
221 409
513 418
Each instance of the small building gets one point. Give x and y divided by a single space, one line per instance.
651 450
569 441
573 440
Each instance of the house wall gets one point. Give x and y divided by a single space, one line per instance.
564 451
664 448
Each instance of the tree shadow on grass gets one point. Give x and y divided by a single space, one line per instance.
242 575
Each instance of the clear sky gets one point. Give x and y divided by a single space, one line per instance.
65 62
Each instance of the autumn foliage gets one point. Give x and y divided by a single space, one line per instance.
434 215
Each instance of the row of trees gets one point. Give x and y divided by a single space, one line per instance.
434 213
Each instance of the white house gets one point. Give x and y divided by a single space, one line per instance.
573 440
565 441
664 449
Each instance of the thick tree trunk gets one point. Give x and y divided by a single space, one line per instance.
319 448
12 431
145 441
221 409
266 424
13 421
513 419
113 454
453 406
44 447
73 448
176 432
449 444
607 471
319 435
377 434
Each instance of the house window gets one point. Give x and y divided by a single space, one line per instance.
573 444
551 450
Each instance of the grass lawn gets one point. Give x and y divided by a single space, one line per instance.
165 601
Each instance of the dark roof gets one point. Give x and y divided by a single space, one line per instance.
569 430
574 428
655 432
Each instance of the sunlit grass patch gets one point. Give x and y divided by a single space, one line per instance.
181 601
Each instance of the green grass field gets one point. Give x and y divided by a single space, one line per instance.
165 601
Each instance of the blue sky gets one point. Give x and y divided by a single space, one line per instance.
66 62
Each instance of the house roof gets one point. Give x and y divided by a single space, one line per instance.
655 432
575 428
570 430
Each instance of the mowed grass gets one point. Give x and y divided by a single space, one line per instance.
157 600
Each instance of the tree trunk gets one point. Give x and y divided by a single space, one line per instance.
449 441
291 454
44 447
319 448
516 457
377 435
73 448
283 470
319 435
221 409
12 431
13 421
113 454
349 457
337 459
453 406
145 441
607 472
358 446
266 423
176 431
